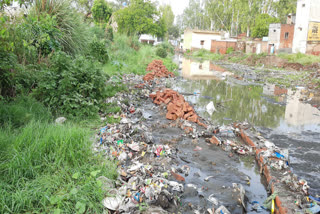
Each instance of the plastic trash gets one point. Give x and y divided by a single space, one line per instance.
198 148
207 178
176 186
134 146
213 200
222 210
278 155
256 206
268 202
112 203
314 198
314 209
210 108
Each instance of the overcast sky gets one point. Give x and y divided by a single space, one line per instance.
177 5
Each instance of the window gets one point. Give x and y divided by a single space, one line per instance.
202 42
274 30
303 5
286 35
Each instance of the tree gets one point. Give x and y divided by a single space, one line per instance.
174 31
140 17
84 6
101 11
261 27
167 16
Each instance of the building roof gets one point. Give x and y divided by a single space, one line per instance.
203 31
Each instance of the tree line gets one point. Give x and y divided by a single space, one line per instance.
236 16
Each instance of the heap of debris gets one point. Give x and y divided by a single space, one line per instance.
158 69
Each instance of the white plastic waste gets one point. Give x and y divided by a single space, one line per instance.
112 203
210 108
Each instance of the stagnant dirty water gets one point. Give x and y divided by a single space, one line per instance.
275 112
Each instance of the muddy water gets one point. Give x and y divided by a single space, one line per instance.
276 112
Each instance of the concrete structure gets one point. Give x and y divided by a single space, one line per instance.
281 37
199 39
149 39
307 33
256 46
221 46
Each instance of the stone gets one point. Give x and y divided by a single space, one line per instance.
60 120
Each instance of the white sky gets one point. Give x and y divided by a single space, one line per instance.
177 5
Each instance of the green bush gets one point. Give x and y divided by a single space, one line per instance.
48 168
161 52
21 111
167 46
230 50
98 49
72 86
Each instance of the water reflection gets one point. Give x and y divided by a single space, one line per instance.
298 113
276 112
268 105
206 70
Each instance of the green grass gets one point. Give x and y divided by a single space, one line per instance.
48 168
127 55
206 55
300 58
21 111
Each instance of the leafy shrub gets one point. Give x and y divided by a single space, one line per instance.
8 65
74 32
167 46
72 86
161 52
21 111
230 50
109 33
98 49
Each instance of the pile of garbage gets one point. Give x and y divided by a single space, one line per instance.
158 69
177 107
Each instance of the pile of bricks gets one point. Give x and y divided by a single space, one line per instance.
177 107
158 69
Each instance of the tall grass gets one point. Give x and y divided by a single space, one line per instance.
21 111
75 33
46 168
303 59
127 55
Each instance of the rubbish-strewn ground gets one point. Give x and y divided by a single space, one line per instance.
172 160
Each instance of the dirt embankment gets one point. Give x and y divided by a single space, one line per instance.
275 61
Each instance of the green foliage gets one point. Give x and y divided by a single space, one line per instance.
174 32
21 111
140 17
98 49
261 27
71 86
207 55
167 46
101 11
47 167
303 59
73 30
8 65
161 52
230 50
109 33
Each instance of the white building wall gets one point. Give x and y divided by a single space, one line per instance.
274 35
198 37
301 26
